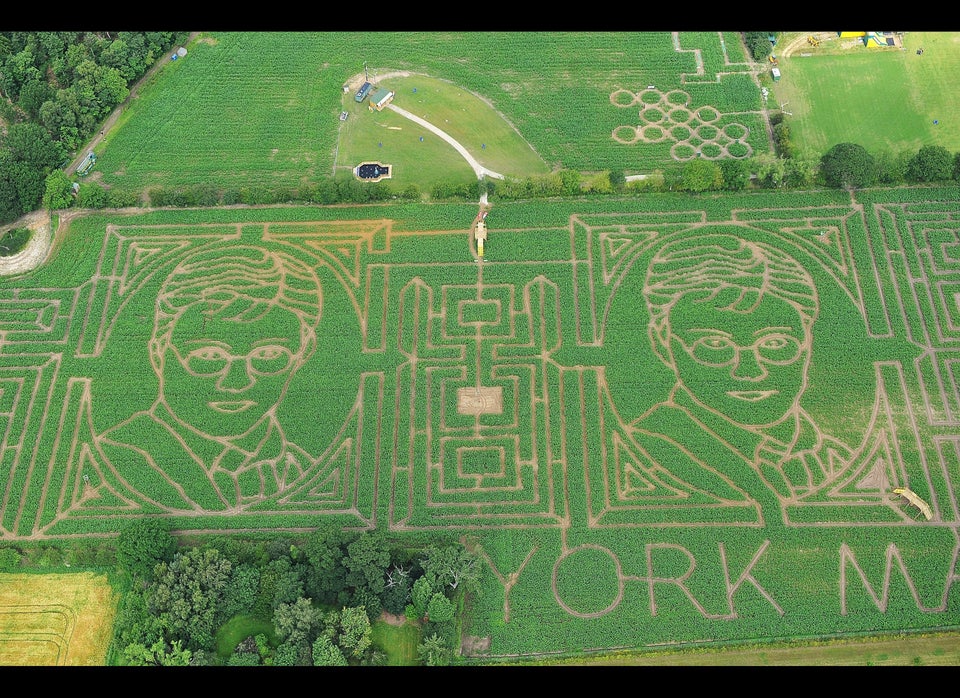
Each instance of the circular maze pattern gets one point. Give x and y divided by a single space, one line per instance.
668 116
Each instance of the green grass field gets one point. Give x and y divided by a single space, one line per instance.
883 99
388 137
574 100
399 642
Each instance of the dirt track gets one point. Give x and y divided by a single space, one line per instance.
37 248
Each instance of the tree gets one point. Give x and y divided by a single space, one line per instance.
293 654
288 580
92 196
245 653
449 566
135 623
27 155
370 600
735 173
433 651
420 597
932 163
440 609
296 622
18 70
598 184
9 559
158 654
542 186
65 83
570 182
770 170
759 44
617 179
396 595
801 170
31 144
142 544
241 592
701 175
126 54
263 647
783 140
326 653
355 631
326 577
891 166
848 166
367 560
29 183
244 659
10 207
58 193
672 177
188 592
33 95
59 117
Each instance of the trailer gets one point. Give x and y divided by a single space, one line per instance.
87 164
363 92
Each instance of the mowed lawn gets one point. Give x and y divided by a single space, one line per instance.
882 99
421 157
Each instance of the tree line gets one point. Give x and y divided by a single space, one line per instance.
307 601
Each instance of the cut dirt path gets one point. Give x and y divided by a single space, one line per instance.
115 114
477 167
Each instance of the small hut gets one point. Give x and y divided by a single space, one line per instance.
381 98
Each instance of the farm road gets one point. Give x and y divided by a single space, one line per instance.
477 167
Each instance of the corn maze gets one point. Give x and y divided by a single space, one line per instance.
707 131
666 421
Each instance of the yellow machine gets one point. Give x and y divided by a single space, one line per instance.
480 234
813 41
915 499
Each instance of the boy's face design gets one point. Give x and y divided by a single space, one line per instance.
749 366
222 376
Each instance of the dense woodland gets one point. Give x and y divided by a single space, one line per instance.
56 88
320 594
